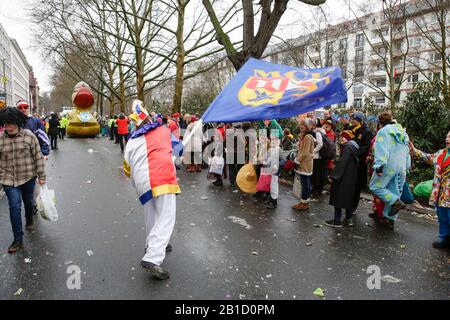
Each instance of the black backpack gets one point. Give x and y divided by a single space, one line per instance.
328 150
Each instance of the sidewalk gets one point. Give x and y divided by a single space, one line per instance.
415 210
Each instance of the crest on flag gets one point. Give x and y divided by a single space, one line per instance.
270 87
263 90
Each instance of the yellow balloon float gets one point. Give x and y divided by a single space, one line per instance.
82 122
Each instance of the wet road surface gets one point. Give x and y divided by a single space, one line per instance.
268 254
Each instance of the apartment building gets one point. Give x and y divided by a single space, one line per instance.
20 73
5 66
379 53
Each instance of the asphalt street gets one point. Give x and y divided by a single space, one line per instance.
226 246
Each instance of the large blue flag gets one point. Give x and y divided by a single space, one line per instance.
263 90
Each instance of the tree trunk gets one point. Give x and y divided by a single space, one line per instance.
179 79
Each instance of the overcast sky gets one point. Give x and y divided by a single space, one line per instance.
13 17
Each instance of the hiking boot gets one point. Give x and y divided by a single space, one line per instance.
29 226
348 222
156 271
301 206
272 204
396 207
15 246
333 224
218 182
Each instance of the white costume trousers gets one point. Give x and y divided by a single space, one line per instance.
274 187
159 214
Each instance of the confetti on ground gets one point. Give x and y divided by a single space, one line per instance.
254 253
319 292
390 279
403 246
18 292
90 253
27 260
240 221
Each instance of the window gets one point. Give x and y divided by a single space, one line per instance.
398 45
434 57
359 55
397 96
380 99
359 71
342 59
359 40
381 83
357 102
344 72
415 61
343 44
397 79
416 42
330 48
381 51
413 78
381 67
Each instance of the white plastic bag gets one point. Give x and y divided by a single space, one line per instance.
46 203
217 164
297 189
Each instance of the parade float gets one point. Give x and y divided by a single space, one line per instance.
82 121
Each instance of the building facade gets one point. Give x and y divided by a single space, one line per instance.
382 54
20 74
34 92
5 66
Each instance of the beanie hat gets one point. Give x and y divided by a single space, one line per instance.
358 116
347 134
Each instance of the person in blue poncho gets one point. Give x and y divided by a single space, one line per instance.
391 163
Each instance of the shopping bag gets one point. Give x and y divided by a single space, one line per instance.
46 203
264 183
297 190
217 164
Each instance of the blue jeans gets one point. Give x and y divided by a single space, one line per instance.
444 222
306 186
15 196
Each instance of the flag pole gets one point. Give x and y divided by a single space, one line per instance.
197 126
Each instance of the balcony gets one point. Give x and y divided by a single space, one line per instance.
374 73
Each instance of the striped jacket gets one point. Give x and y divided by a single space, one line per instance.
148 161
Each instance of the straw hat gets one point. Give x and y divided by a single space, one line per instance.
247 179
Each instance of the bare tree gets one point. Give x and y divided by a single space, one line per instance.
390 46
429 19
270 11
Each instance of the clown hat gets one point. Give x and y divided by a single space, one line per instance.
140 114
247 179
